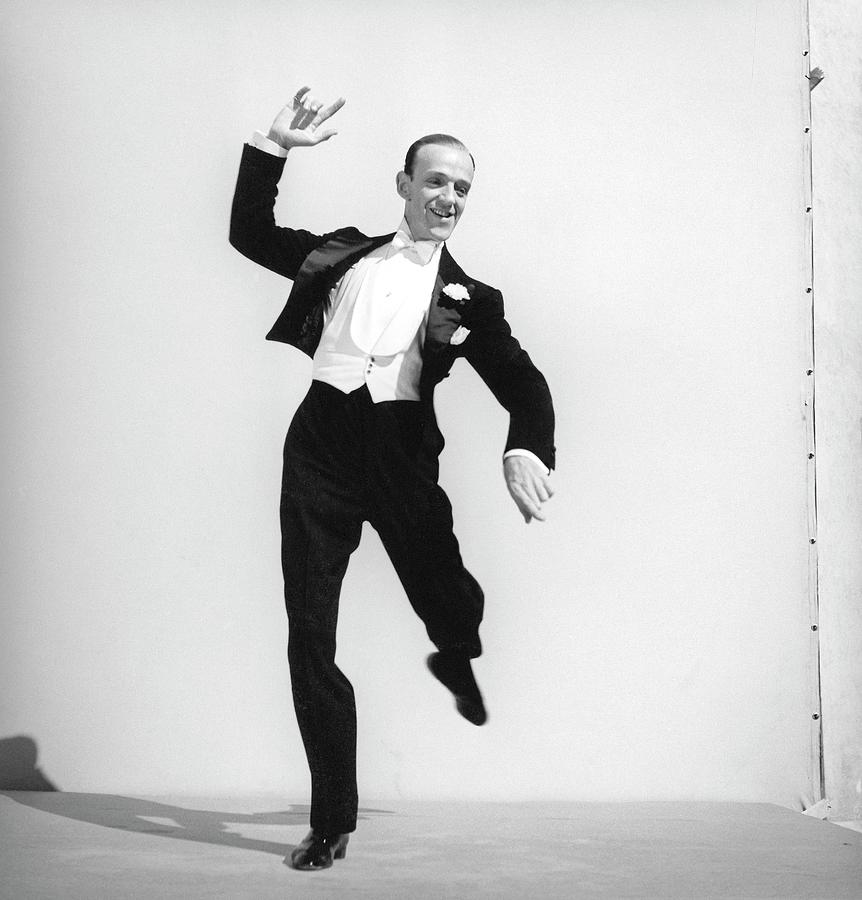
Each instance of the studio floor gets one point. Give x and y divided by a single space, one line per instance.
93 846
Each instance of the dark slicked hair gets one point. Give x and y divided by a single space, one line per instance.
445 139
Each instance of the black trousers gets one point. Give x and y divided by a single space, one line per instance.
348 460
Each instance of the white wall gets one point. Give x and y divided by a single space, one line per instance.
637 199
836 33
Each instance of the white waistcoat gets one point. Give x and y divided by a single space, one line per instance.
375 326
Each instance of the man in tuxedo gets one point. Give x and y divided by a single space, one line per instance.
384 319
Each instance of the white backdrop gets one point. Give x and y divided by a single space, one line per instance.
638 199
836 32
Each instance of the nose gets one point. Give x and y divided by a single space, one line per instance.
448 193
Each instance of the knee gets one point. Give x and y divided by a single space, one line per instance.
309 640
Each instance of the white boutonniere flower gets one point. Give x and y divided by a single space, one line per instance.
459 335
454 296
457 292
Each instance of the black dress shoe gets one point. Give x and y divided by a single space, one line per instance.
318 850
455 672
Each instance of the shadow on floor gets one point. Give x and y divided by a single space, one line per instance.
200 825
18 769
22 781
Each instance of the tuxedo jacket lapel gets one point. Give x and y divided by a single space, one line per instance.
331 260
301 320
442 322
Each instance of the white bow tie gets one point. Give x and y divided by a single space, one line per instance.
423 249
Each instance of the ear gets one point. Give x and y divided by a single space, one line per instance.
402 185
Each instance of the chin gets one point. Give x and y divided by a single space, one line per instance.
442 232
439 229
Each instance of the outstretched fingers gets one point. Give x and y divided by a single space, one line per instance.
324 112
310 113
321 115
297 123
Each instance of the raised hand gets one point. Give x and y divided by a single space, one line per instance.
298 123
529 486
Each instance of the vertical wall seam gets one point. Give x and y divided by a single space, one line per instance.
816 722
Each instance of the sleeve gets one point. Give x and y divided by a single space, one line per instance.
514 380
253 230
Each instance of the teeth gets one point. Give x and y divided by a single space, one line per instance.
442 215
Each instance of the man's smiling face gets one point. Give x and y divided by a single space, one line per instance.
436 193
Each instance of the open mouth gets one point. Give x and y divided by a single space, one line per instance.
440 214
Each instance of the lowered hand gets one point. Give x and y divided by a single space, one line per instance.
529 486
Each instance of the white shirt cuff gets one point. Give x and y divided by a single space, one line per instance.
529 455
262 142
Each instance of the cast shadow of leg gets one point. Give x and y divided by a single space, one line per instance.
151 817
22 782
